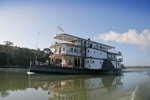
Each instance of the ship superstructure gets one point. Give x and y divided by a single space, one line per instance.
75 52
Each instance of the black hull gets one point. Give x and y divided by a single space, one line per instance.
66 70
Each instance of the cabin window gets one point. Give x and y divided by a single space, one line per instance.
100 47
90 45
59 50
79 51
71 49
87 61
92 61
63 49
88 51
75 50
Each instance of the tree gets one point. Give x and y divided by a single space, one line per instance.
47 51
8 50
122 66
8 43
3 58
13 55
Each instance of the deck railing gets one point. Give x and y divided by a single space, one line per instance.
114 51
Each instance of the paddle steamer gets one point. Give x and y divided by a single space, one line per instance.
76 55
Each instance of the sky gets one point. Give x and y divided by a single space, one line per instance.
123 24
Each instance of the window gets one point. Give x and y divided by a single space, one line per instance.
63 49
88 51
87 61
59 50
79 51
94 52
100 62
71 49
100 47
92 61
90 45
75 50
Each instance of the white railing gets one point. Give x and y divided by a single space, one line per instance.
114 51
59 42
119 59
70 53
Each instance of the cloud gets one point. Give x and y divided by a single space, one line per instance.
131 37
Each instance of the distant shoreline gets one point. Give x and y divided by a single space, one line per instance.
137 67
15 66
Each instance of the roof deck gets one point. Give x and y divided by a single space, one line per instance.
73 39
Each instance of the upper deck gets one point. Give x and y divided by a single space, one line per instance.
81 42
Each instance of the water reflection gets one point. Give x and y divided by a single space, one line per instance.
76 87
11 81
57 87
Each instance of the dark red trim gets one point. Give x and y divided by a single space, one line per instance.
77 68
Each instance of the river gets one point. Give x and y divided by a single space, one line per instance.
16 84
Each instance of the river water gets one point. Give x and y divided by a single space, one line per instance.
16 84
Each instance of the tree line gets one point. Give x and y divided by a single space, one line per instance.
13 55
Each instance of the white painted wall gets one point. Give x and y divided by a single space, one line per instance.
95 53
96 65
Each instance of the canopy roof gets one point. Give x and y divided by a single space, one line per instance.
71 38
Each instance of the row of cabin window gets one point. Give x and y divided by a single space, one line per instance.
93 61
70 49
60 49
74 50
92 45
95 52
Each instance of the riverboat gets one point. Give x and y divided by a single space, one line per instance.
76 55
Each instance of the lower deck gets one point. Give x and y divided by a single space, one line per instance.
83 62
67 70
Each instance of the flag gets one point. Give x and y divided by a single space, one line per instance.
59 28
